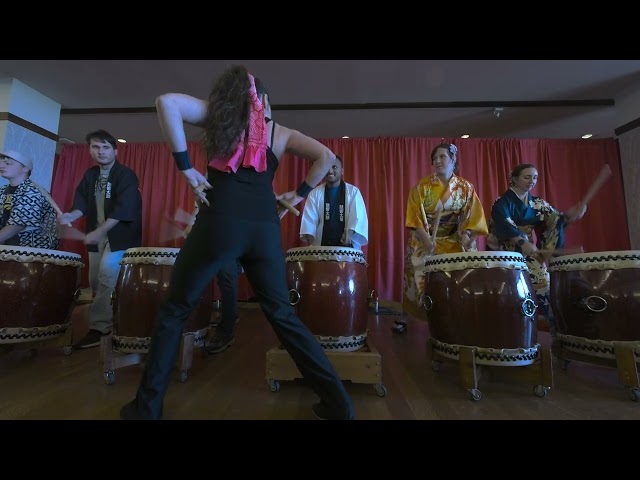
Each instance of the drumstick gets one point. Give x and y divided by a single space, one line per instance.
199 192
424 217
51 201
436 224
603 176
289 207
192 220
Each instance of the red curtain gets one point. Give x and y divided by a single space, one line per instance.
384 169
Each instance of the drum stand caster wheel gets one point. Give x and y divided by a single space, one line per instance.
67 350
540 391
399 327
634 394
184 376
110 377
274 385
381 390
476 394
435 365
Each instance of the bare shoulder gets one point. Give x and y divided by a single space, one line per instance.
289 140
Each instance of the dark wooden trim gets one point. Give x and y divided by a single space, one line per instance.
627 127
372 106
28 125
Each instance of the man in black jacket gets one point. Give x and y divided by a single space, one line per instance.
109 196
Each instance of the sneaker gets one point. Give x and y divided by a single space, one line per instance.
216 321
91 339
220 342
322 413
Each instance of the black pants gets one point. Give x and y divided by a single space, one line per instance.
258 247
228 278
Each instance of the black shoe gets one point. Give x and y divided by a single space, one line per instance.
91 339
220 342
399 327
322 413
130 412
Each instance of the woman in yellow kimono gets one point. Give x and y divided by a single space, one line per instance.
449 201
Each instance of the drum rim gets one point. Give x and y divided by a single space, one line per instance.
477 254
594 255
38 251
323 248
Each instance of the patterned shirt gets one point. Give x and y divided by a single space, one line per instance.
27 207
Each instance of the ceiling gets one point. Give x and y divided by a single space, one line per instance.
356 98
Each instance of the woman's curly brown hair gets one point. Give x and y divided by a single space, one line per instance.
227 113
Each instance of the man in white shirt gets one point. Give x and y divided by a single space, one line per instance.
334 213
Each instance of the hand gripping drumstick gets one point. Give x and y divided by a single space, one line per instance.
603 176
289 207
199 193
51 201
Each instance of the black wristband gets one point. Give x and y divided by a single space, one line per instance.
303 190
182 160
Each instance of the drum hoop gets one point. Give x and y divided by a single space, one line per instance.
150 256
596 261
28 255
449 262
490 356
322 253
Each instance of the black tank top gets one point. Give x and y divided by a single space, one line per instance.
246 194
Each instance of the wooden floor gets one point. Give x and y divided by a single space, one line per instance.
47 384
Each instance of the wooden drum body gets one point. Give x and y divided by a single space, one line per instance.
596 299
38 288
485 300
140 291
328 289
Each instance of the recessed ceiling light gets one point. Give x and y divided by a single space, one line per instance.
466 135
345 137
588 135
122 140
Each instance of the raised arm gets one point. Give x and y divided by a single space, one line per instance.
307 148
174 110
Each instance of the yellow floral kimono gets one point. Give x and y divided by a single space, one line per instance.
461 210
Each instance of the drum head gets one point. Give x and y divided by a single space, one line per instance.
467 260
323 253
150 255
28 254
610 260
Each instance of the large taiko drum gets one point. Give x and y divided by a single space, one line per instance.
328 289
38 288
484 300
596 299
140 291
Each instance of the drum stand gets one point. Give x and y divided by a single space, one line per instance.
539 373
113 359
622 355
361 366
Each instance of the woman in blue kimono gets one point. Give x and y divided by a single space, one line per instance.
521 222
